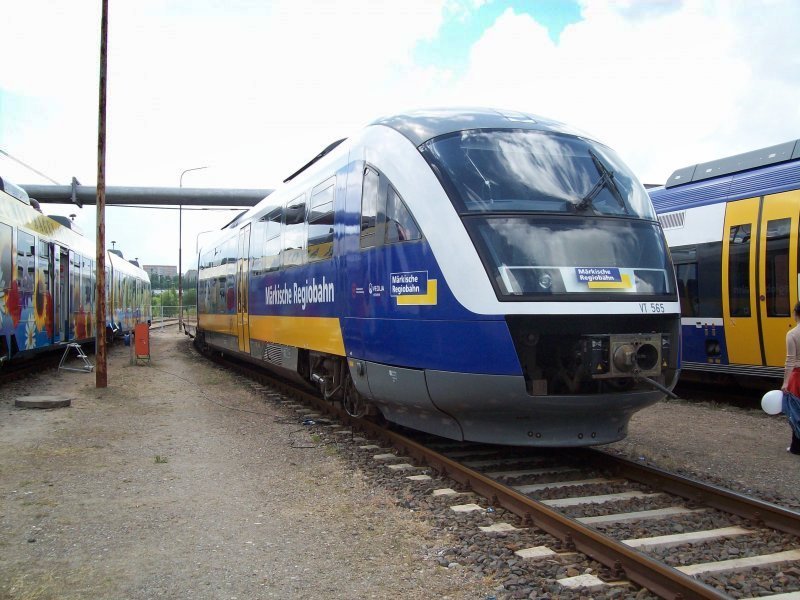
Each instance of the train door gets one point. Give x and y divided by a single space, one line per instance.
61 295
777 272
45 287
242 288
739 294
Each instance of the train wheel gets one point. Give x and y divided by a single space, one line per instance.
353 402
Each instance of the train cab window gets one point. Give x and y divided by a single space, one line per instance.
687 289
777 271
26 262
400 225
320 222
369 208
294 232
739 270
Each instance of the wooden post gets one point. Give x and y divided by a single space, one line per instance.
101 372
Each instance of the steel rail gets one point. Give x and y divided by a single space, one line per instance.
657 577
762 512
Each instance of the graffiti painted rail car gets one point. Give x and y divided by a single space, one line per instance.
47 282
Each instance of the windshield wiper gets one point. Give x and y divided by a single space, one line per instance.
606 181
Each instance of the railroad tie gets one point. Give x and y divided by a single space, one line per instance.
668 541
658 513
526 472
388 456
535 553
786 596
526 489
587 580
498 528
401 467
736 564
578 500
465 508
445 492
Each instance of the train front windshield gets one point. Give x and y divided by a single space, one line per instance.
552 213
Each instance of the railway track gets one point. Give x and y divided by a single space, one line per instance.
644 525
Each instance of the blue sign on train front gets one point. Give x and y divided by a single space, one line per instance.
604 274
409 283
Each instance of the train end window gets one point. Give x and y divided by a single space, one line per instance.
400 225
369 208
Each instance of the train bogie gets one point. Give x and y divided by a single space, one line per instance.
479 275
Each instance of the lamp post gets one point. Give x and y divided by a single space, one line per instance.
180 232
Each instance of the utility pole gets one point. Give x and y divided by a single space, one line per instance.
101 371
180 250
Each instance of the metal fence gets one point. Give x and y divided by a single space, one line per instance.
160 314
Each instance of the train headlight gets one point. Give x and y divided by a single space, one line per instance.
545 281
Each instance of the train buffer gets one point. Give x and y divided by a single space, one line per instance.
87 366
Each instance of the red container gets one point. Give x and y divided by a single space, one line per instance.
142 334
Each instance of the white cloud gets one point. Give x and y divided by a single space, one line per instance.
665 90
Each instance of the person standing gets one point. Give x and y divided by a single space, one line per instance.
791 381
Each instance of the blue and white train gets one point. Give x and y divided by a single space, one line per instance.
732 228
478 274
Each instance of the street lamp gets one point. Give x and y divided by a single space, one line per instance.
180 232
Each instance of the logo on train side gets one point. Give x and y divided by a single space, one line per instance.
602 277
587 274
413 288
300 294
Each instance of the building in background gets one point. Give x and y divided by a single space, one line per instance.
161 270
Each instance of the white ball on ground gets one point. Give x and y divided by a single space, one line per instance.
772 402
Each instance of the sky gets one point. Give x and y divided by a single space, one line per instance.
252 89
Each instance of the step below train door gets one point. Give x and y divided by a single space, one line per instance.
739 282
242 289
778 278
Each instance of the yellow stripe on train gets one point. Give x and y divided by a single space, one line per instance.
218 323
605 285
323 334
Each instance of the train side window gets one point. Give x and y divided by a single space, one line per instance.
320 222
400 225
777 271
294 232
6 234
687 289
272 240
26 259
739 270
369 208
